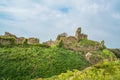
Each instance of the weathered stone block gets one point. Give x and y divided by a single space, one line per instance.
7 41
79 35
62 36
20 40
33 41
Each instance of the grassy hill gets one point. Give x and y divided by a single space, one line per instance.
38 61
108 70
25 63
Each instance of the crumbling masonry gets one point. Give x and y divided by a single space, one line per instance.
9 38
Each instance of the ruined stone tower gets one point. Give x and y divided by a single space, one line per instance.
79 35
78 32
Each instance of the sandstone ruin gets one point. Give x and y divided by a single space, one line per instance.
73 42
33 41
71 39
70 42
61 36
20 40
6 41
9 38
79 35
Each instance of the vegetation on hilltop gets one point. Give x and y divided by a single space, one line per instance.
25 63
26 59
108 70
116 52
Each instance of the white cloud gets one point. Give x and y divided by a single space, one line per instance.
44 18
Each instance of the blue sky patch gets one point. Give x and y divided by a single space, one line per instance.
6 16
64 9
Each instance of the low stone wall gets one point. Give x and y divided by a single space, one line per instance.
70 39
51 43
33 41
20 40
7 41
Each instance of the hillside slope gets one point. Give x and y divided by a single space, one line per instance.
108 70
25 63
26 59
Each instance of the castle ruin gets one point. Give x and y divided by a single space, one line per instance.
9 38
33 41
79 35
68 39
69 42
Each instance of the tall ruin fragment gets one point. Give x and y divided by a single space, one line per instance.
79 35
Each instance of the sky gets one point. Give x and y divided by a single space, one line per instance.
45 19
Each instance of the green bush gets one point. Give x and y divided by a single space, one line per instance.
10 41
108 54
60 44
108 70
86 43
25 42
18 63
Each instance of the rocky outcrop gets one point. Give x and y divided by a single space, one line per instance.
87 57
93 58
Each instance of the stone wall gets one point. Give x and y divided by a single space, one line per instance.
73 42
20 40
70 39
61 36
83 36
76 38
7 41
8 38
79 35
50 43
33 41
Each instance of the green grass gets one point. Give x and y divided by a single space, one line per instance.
25 63
108 70
100 55
86 43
